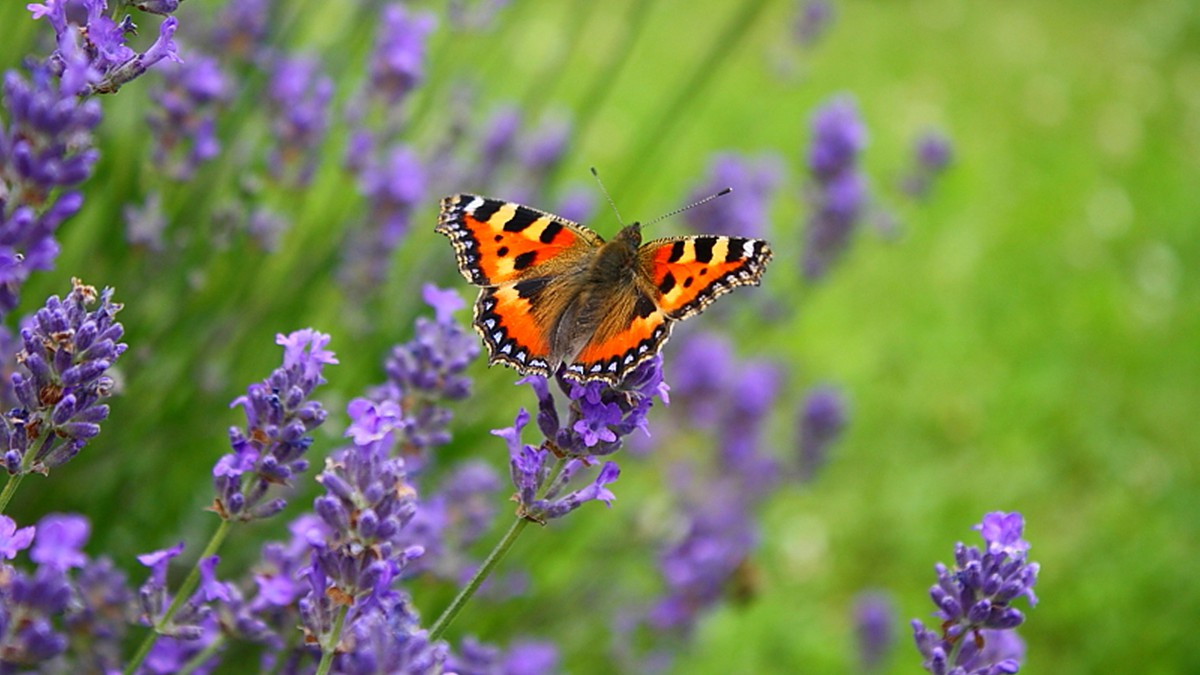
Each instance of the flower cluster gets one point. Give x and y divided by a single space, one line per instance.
974 601
67 352
45 147
184 124
92 56
279 418
298 98
822 419
838 189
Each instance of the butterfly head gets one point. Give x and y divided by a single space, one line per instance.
630 235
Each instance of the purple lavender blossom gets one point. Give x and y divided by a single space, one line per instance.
241 29
744 211
932 154
184 124
394 187
425 372
838 189
60 541
541 496
67 353
874 624
397 62
45 148
99 616
298 98
522 658
29 606
821 421
497 145
279 419
92 56
974 603
13 540
813 21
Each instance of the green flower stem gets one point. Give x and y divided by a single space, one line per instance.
181 596
656 135
14 480
329 645
488 565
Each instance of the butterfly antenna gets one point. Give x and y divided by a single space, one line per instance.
610 199
693 205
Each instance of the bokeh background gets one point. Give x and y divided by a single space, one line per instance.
1021 338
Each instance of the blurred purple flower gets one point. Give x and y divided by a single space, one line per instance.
932 154
394 187
60 538
145 224
279 419
298 97
837 192
240 30
974 603
744 211
29 606
522 658
12 539
813 21
184 123
822 419
67 353
397 63
874 623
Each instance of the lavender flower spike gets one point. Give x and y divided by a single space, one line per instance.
974 603
67 353
838 189
279 419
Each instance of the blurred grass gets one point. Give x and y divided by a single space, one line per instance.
1029 343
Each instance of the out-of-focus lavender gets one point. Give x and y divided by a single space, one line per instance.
744 211
67 352
932 155
189 95
298 97
837 192
395 187
279 420
975 618
813 19
874 627
822 418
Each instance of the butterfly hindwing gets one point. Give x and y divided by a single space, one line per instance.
688 273
498 242
632 330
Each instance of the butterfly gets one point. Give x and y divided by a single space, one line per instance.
554 293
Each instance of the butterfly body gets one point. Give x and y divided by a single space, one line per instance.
555 293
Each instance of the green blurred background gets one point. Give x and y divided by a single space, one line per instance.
1028 342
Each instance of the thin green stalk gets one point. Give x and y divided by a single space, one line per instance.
14 480
493 559
655 137
181 596
335 635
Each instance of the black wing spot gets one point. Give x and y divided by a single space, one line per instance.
734 252
687 283
644 307
550 232
524 260
487 209
522 218
677 250
498 238
704 249
531 287
703 271
667 284
502 251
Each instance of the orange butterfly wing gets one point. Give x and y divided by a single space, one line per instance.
519 255
678 278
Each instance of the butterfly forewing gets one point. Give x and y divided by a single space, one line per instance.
688 273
